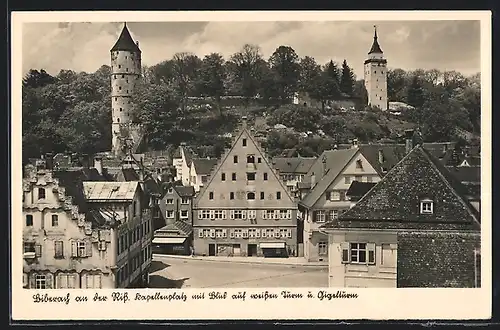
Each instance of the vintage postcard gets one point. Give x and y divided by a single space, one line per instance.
251 165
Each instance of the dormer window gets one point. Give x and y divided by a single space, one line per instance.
41 193
426 206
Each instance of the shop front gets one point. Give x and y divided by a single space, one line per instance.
274 249
171 245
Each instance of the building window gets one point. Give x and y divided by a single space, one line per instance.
223 176
235 159
262 195
359 164
170 190
426 206
185 200
233 176
81 249
40 282
369 179
335 195
120 88
41 193
320 216
250 159
231 195
388 257
170 213
211 195
59 249
259 160
265 176
358 253
204 179
238 214
55 220
278 195
184 214
333 214
251 176
358 178
244 142
123 76
322 248
119 66
29 220
170 201
251 196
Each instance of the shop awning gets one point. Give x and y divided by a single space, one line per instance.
169 240
272 245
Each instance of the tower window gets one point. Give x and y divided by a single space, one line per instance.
123 76
265 176
119 66
116 99
126 69
231 195
120 88
120 109
127 80
381 98
114 77
375 71
118 120
127 91
126 57
261 195
235 159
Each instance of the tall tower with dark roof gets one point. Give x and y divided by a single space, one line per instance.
125 74
376 76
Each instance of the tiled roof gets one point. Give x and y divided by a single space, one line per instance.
184 228
335 162
293 164
382 157
183 191
72 181
359 189
125 42
394 201
204 166
375 46
466 173
128 174
108 191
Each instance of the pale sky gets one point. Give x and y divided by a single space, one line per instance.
443 45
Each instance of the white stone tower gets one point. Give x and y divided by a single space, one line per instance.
125 73
376 76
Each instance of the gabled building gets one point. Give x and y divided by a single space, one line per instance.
245 209
175 236
293 170
199 171
182 159
125 203
73 241
330 178
415 228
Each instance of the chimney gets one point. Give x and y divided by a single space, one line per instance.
409 140
354 143
98 164
244 121
49 161
380 156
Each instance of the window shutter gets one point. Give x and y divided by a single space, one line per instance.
200 233
231 234
289 233
72 280
74 252
49 281
244 214
370 247
84 281
97 281
224 215
328 194
88 249
38 250
264 214
289 214
314 216
346 256
32 281
342 195
200 214
231 214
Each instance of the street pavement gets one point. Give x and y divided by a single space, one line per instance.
171 272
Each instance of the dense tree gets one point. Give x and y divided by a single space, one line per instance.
185 70
397 82
285 62
347 80
310 71
246 66
212 77
415 93
35 79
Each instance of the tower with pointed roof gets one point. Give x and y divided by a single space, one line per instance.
125 74
376 76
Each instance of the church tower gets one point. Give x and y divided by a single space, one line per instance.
125 74
376 76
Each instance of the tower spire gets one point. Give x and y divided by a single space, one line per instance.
375 46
